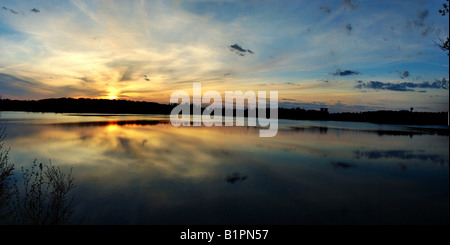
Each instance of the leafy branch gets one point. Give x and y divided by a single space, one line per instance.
443 44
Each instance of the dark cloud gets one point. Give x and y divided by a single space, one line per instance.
325 9
237 47
10 10
35 10
349 28
239 50
349 4
338 72
406 74
235 178
12 86
403 86
403 74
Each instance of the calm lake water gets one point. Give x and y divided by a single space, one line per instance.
139 169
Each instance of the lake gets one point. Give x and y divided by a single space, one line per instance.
139 169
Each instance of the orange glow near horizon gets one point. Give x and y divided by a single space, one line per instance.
112 94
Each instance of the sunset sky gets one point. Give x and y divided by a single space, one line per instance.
347 55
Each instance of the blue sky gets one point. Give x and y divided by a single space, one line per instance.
346 55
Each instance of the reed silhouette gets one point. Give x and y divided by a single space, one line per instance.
42 196
6 178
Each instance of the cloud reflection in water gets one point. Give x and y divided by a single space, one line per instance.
148 172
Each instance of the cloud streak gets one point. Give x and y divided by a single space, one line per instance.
349 4
325 9
403 86
341 73
419 23
239 50
10 10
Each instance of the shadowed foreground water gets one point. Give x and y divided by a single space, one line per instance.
138 169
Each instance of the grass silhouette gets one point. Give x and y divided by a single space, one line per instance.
42 196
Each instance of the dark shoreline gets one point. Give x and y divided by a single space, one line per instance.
82 105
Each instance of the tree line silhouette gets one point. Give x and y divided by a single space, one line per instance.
85 105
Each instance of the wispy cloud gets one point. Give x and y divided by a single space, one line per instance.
422 15
108 46
10 10
14 87
349 4
325 9
419 23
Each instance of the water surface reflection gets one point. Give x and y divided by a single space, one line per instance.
142 170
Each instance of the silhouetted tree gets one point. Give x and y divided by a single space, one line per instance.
444 44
